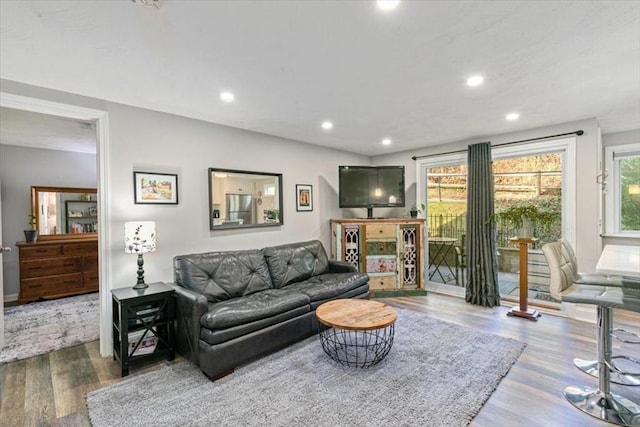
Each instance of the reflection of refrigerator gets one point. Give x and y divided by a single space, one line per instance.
240 207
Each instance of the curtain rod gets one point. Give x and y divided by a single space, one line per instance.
575 132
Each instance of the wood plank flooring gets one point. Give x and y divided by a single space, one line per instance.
49 390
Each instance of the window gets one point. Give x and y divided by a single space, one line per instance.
621 187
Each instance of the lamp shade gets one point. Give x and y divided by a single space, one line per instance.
139 237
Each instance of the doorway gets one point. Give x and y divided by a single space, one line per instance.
99 117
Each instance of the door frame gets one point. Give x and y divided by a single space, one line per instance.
1 279
101 117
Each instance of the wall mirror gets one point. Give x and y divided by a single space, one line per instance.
241 199
65 212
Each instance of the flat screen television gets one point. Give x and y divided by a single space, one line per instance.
371 187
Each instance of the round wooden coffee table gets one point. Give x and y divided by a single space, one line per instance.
360 332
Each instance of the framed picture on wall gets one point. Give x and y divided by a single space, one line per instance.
304 198
155 188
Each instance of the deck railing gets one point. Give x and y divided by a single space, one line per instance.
454 226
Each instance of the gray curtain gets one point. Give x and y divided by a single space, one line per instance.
482 267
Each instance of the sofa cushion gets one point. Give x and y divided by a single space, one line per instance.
221 276
219 336
260 305
295 262
330 285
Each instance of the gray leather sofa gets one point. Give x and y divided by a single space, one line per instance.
235 306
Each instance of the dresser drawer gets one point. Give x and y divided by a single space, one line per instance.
90 280
80 248
382 282
49 267
377 231
40 251
46 286
381 265
90 263
381 248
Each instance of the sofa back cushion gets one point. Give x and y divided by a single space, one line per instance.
223 275
295 262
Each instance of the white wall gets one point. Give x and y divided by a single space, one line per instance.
149 141
21 168
586 197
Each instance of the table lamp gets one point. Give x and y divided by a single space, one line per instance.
140 238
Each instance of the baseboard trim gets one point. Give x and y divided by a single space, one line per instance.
11 297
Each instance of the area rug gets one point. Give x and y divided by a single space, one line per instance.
42 327
436 374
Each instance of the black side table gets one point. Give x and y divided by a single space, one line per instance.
143 324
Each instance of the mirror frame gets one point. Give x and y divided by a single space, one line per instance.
34 211
213 227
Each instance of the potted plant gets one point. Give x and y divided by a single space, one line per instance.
415 209
523 216
31 235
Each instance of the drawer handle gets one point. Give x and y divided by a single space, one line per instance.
36 286
379 231
69 282
35 267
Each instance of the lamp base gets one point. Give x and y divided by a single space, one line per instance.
139 286
140 283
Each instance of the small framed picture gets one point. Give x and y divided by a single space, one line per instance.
304 198
155 188
93 211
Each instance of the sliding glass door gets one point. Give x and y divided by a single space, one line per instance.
539 174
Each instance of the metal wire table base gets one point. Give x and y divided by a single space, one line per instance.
361 348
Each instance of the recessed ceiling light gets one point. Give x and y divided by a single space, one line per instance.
386 141
227 96
513 116
388 4
327 125
474 81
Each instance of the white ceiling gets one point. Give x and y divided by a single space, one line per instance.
29 129
293 64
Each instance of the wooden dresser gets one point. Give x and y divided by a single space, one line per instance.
57 268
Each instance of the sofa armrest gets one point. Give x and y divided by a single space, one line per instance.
341 267
190 306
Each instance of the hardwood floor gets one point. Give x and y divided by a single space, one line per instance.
49 390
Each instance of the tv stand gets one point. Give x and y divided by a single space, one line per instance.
390 250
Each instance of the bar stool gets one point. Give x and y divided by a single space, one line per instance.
600 402
591 367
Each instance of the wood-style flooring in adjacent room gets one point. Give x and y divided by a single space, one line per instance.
49 390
